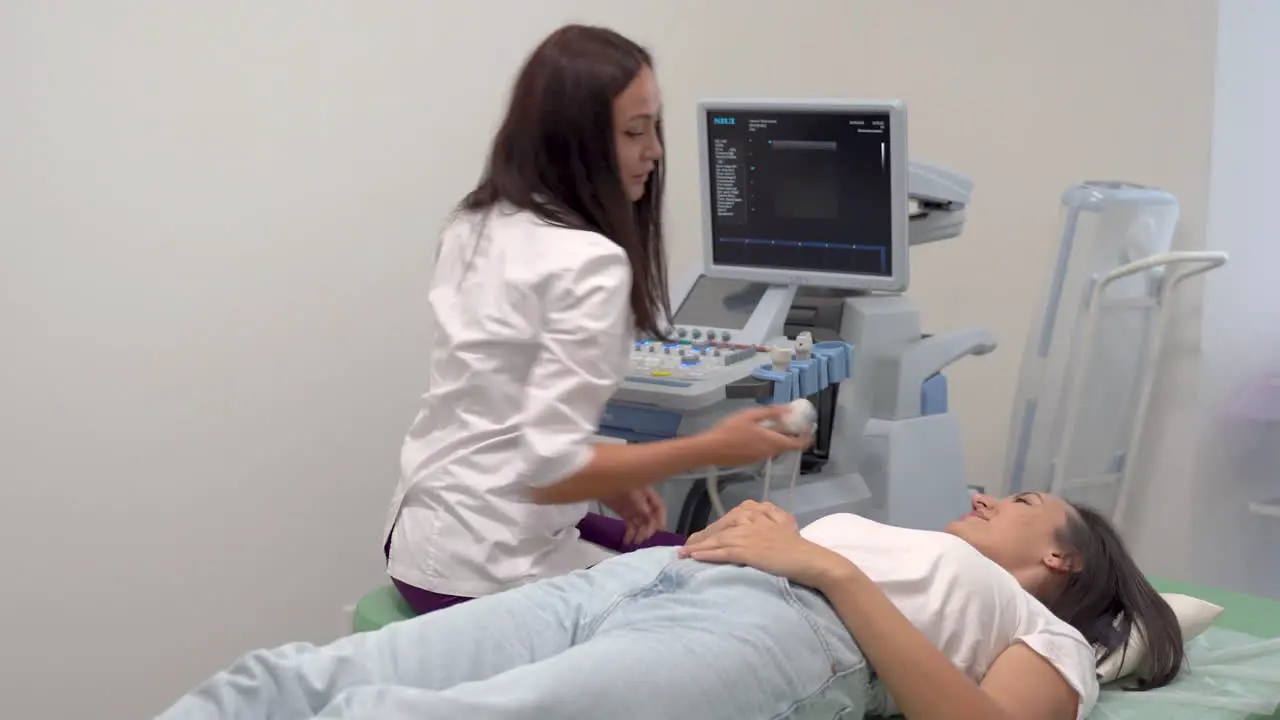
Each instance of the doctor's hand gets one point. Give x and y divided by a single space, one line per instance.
763 536
642 510
740 439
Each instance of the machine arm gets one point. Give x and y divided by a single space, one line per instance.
928 357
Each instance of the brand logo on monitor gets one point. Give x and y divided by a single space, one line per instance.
723 121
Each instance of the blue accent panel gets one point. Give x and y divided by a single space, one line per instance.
631 437
840 359
786 384
1118 462
1059 277
792 391
1024 446
933 396
628 421
824 369
830 363
810 374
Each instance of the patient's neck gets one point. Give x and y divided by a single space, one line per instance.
1037 582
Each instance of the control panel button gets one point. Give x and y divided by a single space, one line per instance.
726 336
681 332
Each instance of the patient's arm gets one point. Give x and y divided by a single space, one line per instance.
923 681
1022 678
925 684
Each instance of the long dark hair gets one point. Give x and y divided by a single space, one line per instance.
555 156
1108 596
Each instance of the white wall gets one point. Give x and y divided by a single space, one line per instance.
215 224
1203 463
1237 461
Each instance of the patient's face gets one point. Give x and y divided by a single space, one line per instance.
1018 532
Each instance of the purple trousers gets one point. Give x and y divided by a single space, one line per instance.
604 531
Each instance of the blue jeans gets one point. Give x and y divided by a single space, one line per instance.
642 635
606 532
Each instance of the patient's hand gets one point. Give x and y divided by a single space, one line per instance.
747 512
642 510
765 537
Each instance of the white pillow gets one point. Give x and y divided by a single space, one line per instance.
1194 617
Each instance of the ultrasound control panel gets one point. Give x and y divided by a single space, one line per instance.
718 337
687 359
710 335
690 376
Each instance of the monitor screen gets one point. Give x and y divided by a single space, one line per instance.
801 189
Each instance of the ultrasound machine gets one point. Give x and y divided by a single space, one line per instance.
808 211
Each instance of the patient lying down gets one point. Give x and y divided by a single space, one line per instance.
997 617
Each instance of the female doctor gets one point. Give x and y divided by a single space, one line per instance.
542 277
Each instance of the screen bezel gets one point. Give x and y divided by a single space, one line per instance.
898 280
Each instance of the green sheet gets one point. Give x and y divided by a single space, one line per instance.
379 608
1251 615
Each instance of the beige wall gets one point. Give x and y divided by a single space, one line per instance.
216 220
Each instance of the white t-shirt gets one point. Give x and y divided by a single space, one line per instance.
533 328
969 607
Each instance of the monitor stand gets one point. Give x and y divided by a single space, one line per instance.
895 455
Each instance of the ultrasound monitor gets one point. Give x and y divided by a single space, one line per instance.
805 192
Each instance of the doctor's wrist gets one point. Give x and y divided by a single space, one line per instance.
693 453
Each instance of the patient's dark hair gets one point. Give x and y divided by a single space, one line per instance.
1108 596
554 155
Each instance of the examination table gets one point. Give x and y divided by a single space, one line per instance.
1254 616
